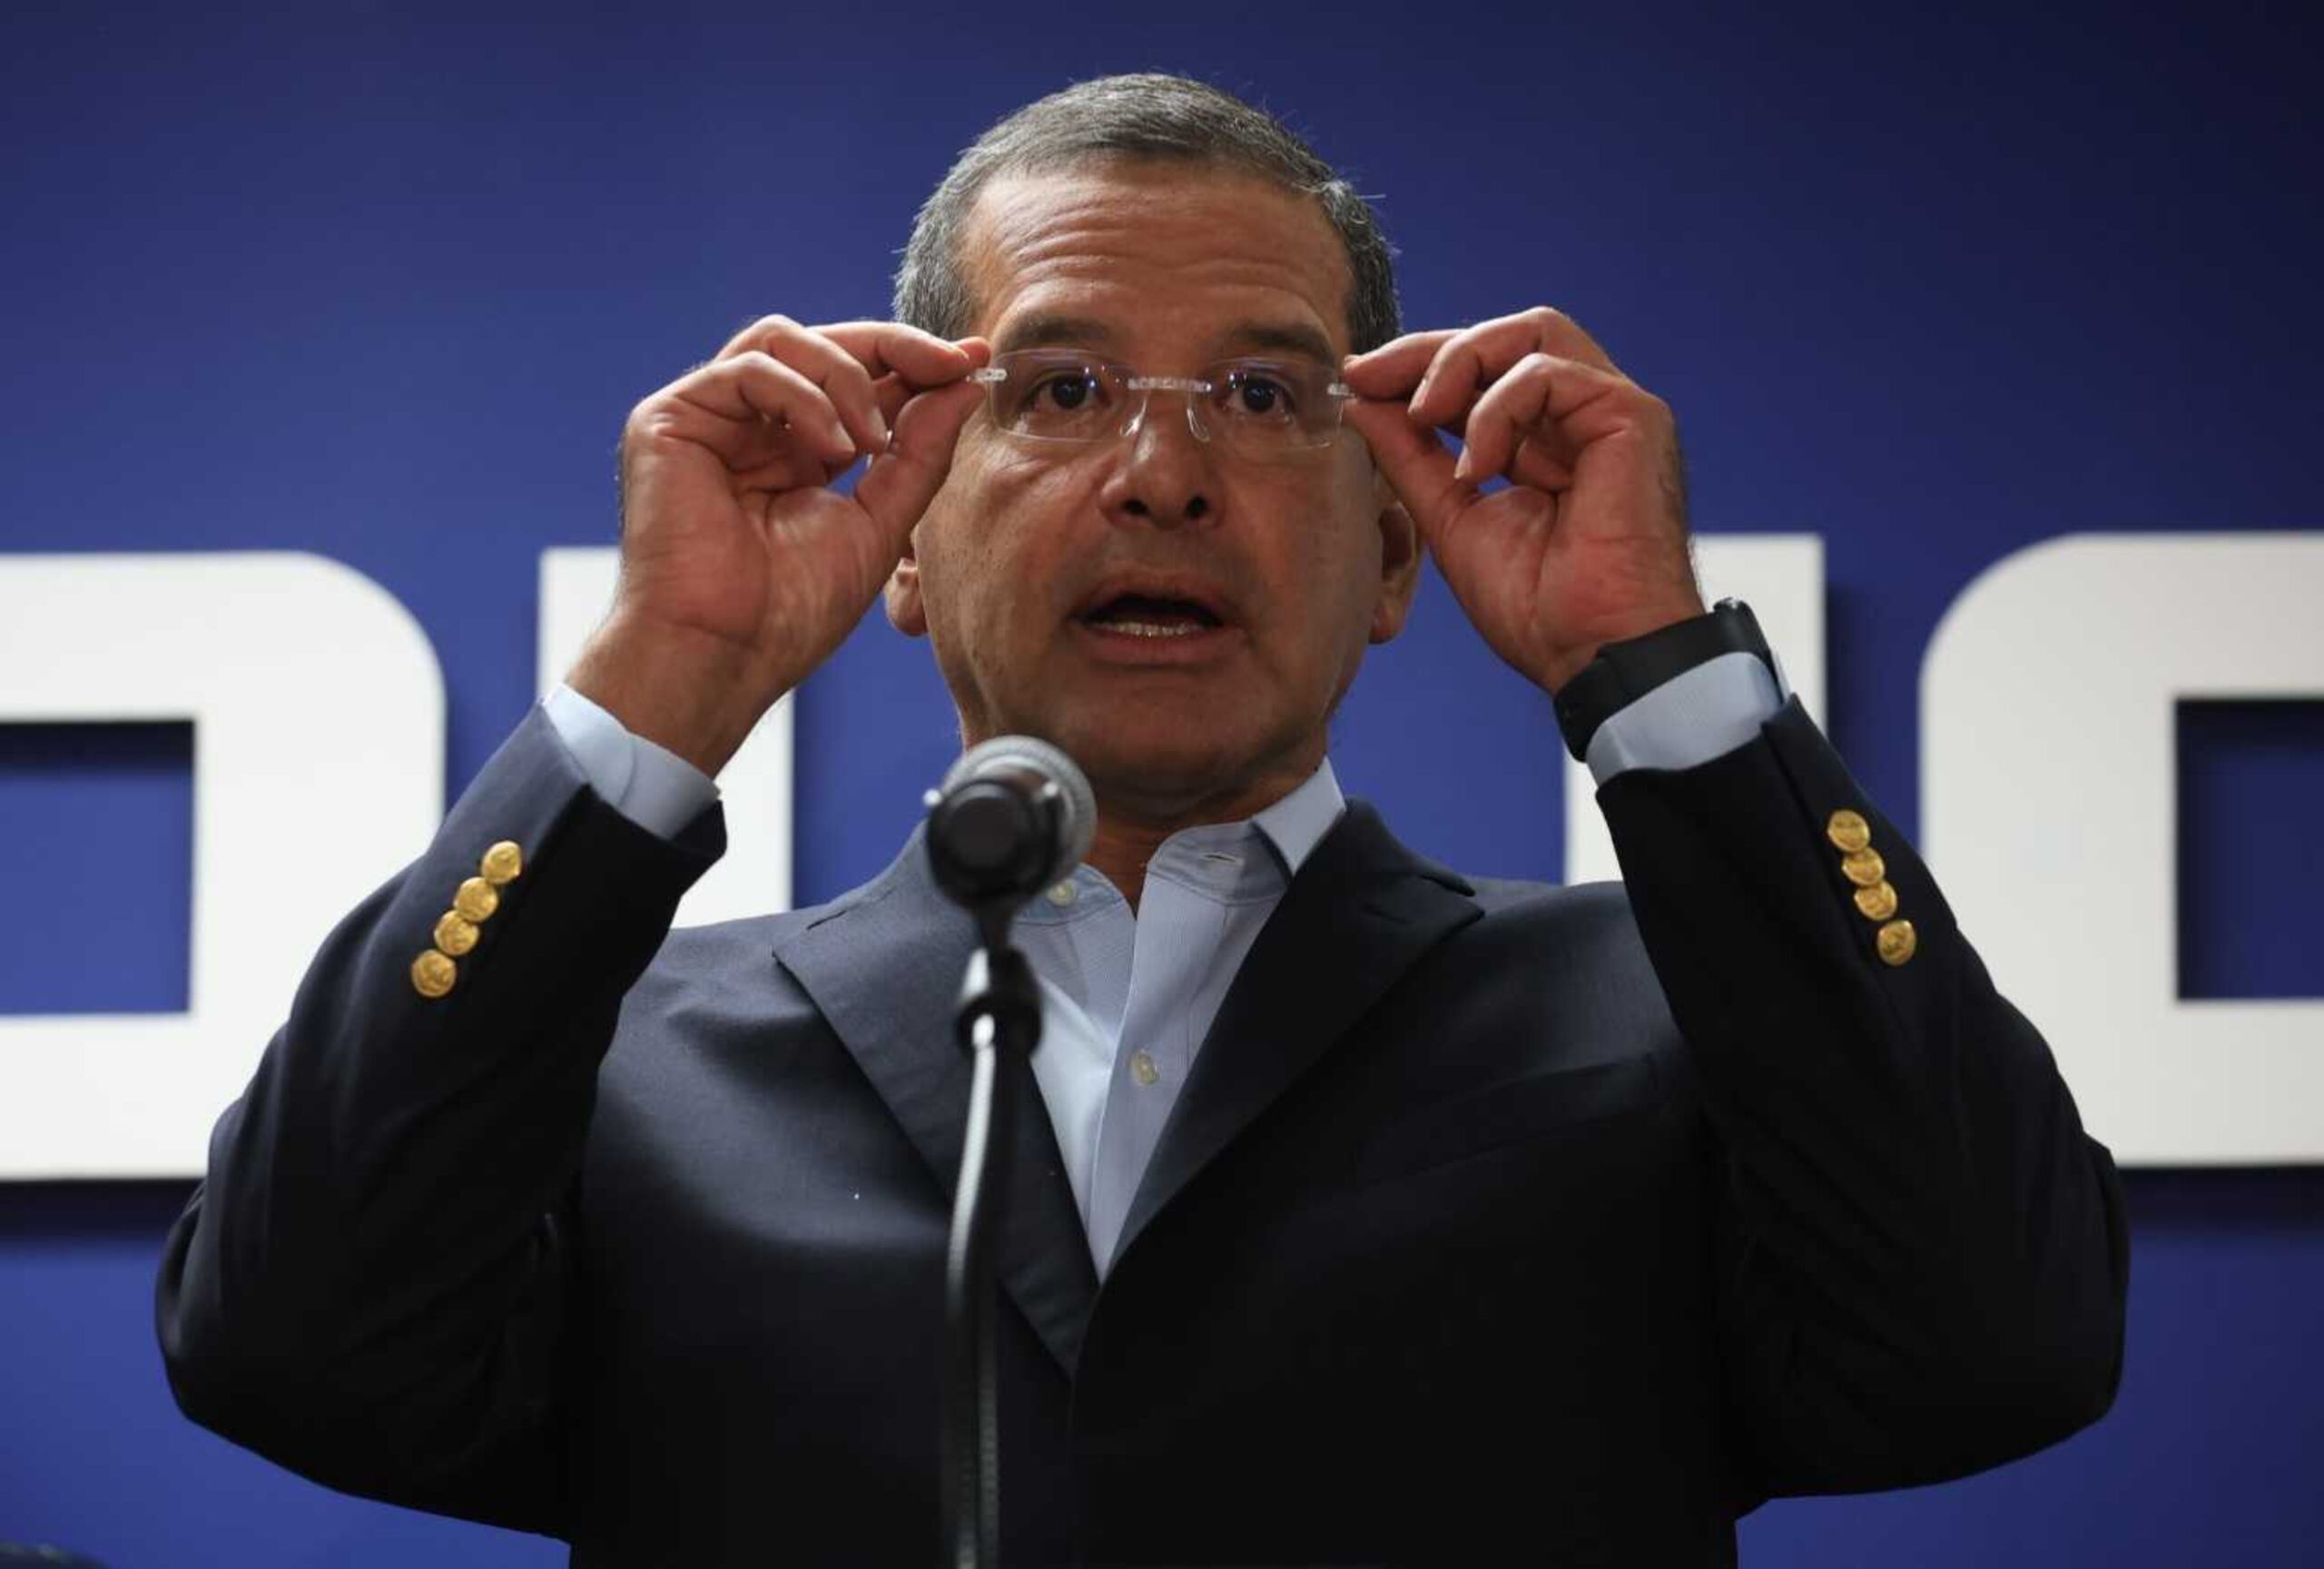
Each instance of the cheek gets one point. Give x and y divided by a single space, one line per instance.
1336 564
991 563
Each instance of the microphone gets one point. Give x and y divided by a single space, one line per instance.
1012 816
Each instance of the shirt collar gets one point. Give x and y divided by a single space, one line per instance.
1296 824
1205 857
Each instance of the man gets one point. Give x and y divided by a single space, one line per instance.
1378 1214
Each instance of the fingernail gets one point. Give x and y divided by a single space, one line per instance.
1461 465
887 436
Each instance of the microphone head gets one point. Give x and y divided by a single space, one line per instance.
1013 815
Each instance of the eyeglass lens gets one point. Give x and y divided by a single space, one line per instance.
1255 404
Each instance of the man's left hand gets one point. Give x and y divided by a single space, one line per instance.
1588 544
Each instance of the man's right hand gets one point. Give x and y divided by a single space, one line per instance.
741 569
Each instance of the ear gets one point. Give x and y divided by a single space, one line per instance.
906 612
1399 558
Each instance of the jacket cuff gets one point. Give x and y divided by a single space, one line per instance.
1697 715
651 786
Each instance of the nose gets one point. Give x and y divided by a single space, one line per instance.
1162 475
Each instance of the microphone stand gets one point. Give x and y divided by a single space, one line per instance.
1011 816
998 1024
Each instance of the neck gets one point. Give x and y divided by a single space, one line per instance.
1131 826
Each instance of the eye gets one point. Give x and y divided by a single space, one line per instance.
1260 395
1068 390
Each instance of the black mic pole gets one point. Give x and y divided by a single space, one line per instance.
998 1024
1013 815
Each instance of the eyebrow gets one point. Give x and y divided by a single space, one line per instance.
1045 331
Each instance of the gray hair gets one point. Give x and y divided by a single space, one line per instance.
1145 116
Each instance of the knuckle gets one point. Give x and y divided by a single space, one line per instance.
1443 363
644 418
755 331
760 333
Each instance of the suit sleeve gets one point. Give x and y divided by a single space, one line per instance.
1923 1258
368 1284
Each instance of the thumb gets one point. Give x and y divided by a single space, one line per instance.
1415 461
898 484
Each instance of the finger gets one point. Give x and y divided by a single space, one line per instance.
1541 464
891 392
1467 363
753 335
790 466
1562 335
894 390
1557 399
899 484
1470 361
1544 460
906 362
727 404
1416 462
823 360
921 359
1396 368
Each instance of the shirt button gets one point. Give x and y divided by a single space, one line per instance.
1142 1069
1063 893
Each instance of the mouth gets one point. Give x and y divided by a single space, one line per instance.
1151 616
1154 622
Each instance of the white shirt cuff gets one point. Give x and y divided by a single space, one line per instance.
652 787
1699 714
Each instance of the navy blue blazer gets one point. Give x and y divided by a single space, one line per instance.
1497 1222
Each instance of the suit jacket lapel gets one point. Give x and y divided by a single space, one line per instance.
884 966
1361 910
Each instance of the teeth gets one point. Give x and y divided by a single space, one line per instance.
1154 628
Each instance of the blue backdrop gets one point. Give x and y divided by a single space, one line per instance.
357 281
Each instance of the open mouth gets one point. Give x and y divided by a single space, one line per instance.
1149 615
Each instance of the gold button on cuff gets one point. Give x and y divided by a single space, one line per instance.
1877 901
1848 830
1865 868
504 862
1896 942
1142 1068
477 900
432 974
454 933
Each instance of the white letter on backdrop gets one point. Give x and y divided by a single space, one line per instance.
318 712
2048 810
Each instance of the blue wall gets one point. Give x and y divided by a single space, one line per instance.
1934 288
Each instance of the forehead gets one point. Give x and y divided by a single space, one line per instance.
1165 258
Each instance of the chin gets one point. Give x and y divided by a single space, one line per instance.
1141 753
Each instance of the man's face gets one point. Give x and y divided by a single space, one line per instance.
1048 575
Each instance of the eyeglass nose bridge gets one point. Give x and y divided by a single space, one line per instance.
1195 387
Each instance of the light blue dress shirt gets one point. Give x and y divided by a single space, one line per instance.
1126 997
